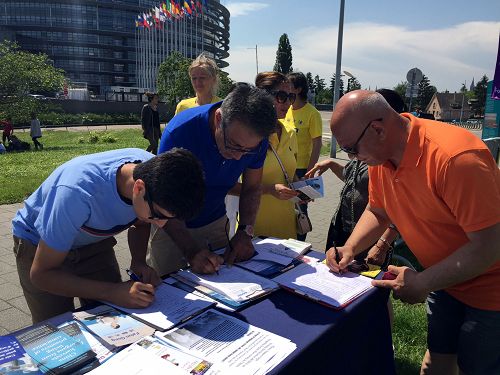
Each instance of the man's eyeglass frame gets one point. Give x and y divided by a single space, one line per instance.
352 150
239 150
154 215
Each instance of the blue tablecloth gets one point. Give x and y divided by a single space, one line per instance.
354 340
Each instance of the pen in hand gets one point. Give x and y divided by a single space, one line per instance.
209 245
136 278
337 256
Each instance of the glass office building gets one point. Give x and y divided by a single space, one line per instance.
94 41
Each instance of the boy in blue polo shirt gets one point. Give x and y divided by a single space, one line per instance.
230 139
63 236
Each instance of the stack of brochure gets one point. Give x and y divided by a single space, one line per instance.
48 350
233 282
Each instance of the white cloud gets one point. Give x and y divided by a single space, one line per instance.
242 9
380 55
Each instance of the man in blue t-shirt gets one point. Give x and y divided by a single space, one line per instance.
230 139
63 236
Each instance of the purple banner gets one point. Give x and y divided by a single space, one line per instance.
495 92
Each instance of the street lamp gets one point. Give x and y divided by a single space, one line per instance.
256 58
336 88
463 97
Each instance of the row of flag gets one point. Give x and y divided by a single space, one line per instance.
170 10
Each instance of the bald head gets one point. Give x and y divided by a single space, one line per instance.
364 118
355 109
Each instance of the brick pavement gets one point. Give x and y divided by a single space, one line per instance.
14 313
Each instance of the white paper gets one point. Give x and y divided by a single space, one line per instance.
316 281
311 188
233 282
233 346
135 360
170 307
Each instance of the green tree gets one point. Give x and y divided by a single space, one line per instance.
480 95
173 80
225 84
23 73
400 88
283 62
319 83
353 84
310 81
324 96
425 93
332 85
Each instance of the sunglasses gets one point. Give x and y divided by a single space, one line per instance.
155 215
282 96
353 150
228 146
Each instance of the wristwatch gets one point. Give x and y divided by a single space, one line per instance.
247 228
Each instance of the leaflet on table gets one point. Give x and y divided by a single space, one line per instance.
171 306
135 360
234 282
311 188
315 281
221 300
55 351
14 359
102 352
114 327
233 346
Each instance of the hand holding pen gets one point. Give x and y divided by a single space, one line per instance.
142 287
337 259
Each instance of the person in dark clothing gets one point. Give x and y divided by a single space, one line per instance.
150 121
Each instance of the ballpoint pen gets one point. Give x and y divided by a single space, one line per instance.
134 277
337 256
209 245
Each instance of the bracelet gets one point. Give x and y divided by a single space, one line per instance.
385 242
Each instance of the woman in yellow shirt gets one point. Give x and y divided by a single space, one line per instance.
276 215
204 75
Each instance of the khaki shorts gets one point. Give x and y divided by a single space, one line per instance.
96 262
166 257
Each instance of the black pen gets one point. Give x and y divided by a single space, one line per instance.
134 277
337 256
209 245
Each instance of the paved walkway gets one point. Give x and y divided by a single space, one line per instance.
14 313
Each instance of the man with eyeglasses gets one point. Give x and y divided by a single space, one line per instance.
440 186
306 120
230 139
63 236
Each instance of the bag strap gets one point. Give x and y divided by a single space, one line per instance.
297 206
281 165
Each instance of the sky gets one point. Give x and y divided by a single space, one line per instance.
450 41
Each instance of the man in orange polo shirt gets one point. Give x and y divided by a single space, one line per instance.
440 186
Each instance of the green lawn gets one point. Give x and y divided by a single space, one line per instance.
23 172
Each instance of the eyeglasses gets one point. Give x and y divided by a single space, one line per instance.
155 215
282 96
353 150
240 150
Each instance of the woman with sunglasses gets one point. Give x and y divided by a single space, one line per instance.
204 75
276 215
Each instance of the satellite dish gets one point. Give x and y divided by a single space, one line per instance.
414 76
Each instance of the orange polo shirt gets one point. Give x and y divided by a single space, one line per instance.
447 184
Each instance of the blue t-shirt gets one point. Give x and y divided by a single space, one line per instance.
190 129
79 204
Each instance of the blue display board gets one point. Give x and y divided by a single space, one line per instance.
491 124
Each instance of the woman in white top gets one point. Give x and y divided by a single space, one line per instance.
36 131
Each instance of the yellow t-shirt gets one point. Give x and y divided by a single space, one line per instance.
276 217
308 124
192 102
